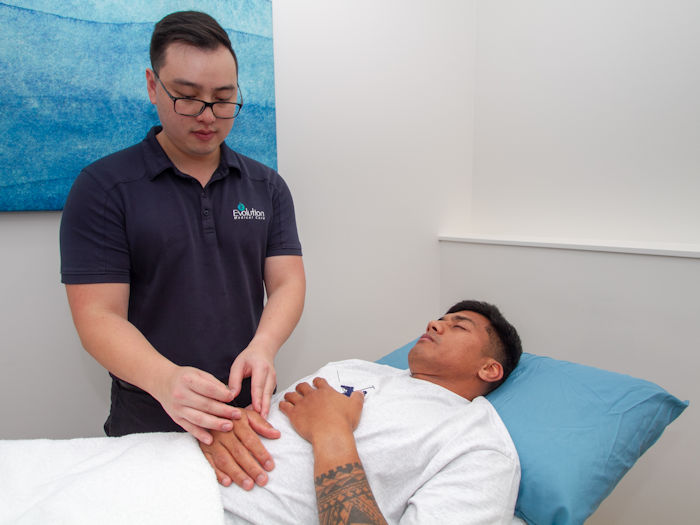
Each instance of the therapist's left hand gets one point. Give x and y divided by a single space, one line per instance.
258 364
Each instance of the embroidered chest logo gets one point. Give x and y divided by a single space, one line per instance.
240 212
348 389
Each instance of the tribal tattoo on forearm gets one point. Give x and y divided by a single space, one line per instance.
343 496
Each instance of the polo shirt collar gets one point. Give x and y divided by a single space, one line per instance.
158 162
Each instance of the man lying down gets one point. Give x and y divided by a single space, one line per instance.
359 442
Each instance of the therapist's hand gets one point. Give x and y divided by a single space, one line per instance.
239 456
196 401
258 364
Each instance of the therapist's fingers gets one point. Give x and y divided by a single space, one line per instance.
254 363
263 380
205 384
261 391
185 394
238 371
209 408
198 432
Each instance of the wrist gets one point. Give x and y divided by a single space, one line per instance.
331 450
333 440
158 380
264 345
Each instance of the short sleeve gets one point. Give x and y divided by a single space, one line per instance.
94 247
283 238
478 487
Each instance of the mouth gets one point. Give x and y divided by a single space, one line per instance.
204 134
425 337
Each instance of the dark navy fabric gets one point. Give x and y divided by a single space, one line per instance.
194 257
135 411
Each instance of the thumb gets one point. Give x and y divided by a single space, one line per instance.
358 397
235 378
261 426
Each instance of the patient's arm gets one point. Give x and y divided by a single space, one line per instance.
327 419
239 456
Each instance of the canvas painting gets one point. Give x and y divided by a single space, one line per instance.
74 87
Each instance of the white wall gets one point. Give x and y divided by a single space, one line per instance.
49 386
374 119
588 119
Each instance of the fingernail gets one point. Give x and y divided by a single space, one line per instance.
260 480
248 484
226 427
269 465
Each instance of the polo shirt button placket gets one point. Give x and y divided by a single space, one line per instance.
207 219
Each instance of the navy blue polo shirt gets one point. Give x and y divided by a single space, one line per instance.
194 257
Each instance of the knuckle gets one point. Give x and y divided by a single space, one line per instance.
238 450
249 441
222 461
241 425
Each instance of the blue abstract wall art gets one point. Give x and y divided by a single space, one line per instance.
74 87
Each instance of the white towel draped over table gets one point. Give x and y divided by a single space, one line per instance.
141 478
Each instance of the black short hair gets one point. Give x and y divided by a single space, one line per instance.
190 27
506 344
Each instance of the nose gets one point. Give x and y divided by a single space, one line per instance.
207 115
434 326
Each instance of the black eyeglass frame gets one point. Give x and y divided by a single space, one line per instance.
205 104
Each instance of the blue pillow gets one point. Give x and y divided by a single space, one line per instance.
577 429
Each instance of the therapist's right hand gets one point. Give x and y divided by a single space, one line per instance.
239 456
196 400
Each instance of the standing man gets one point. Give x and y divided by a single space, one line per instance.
168 248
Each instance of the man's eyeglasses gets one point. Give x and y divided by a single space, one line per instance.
192 107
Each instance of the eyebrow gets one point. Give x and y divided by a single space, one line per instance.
187 83
459 318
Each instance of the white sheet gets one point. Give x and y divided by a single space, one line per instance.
142 478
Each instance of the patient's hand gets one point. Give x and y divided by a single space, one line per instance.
322 412
239 456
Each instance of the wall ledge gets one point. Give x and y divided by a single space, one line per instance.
642 248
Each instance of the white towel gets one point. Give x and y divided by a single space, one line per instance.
141 478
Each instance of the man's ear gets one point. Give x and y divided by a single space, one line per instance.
151 85
491 371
